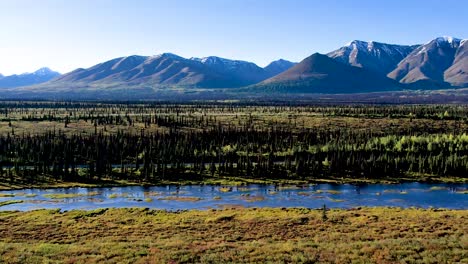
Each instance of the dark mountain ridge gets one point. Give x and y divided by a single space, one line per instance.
322 74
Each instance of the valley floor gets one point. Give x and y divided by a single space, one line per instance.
362 235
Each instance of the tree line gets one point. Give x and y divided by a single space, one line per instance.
274 152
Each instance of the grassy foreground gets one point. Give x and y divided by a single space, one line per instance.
368 235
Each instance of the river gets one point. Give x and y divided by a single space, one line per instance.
172 197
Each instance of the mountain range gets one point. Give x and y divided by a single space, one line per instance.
357 67
169 70
40 76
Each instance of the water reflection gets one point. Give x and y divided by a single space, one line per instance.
202 197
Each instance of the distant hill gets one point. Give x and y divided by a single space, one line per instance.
321 74
40 76
278 66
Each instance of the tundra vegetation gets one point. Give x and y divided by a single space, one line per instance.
295 235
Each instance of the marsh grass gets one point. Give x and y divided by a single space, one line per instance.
225 189
68 195
336 200
252 198
94 200
295 235
152 193
120 195
10 202
290 187
328 191
395 191
181 198
438 188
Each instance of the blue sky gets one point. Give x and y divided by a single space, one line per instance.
68 34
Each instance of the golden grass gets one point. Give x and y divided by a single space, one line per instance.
113 195
367 235
10 202
225 189
438 188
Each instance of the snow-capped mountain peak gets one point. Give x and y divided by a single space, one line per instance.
166 55
357 44
379 57
448 39
212 60
42 75
43 71
439 60
444 41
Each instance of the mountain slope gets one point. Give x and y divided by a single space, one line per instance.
457 74
103 70
379 57
321 74
241 72
40 76
428 62
278 66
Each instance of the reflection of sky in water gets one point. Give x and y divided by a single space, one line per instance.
207 196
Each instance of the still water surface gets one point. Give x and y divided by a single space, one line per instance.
207 196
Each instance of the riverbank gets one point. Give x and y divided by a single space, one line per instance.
46 183
365 235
